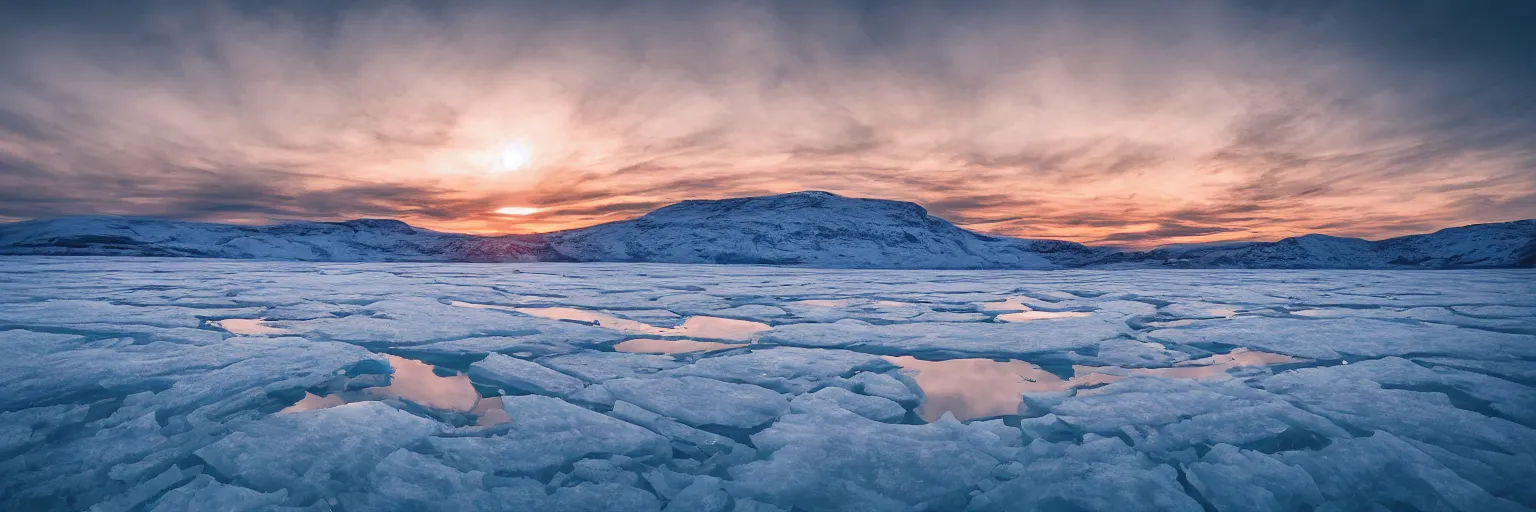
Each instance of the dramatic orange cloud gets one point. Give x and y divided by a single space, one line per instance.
1140 125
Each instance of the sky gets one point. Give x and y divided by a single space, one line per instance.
1115 123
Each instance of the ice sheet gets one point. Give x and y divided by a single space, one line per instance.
147 384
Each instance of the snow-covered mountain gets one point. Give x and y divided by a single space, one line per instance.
1507 244
356 240
817 229
804 228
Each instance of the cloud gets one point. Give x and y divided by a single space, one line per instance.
1163 232
1133 122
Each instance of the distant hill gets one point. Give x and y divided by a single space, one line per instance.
809 228
1506 244
357 240
817 229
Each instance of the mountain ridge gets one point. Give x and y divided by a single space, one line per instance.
810 228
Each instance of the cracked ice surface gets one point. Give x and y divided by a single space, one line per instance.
143 384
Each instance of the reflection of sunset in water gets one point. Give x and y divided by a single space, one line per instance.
655 346
247 326
312 401
1025 316
1021 312
579 315
719 328
489 411
415 381
694 327
1009 304
984 388
979 388
1213 367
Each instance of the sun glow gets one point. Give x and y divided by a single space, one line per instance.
517 210
513 157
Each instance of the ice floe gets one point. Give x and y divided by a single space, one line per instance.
173 385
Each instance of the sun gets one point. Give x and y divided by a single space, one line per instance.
514 156
518 210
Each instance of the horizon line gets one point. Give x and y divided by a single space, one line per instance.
279 220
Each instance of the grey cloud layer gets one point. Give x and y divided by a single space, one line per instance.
1134 122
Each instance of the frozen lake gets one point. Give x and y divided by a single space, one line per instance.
155 384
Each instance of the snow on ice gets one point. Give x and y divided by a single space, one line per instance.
168 385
